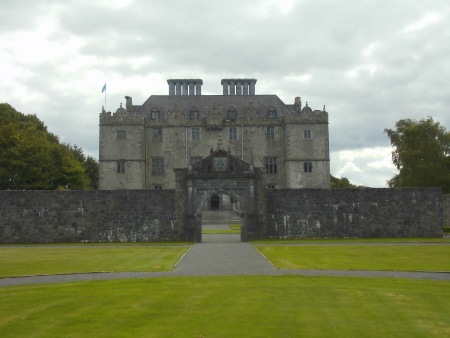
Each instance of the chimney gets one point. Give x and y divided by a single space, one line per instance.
185 86
238 86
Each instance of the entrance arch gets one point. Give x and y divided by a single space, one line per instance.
214 202
215 175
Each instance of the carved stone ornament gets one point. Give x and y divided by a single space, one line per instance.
220 163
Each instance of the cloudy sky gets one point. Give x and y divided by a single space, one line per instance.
371 62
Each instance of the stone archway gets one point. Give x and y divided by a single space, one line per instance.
218 173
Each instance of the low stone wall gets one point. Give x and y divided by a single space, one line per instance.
447 210
90 216
306 213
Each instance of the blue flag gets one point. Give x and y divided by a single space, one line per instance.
104 88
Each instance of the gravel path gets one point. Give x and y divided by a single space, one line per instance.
220 255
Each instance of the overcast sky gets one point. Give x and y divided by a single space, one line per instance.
371 62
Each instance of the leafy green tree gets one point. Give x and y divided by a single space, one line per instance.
421 154
33 158
342 182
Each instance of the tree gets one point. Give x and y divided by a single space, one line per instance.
421 154
33 158
342 182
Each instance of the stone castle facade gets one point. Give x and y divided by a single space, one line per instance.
140 145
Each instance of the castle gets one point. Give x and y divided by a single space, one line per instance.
140 145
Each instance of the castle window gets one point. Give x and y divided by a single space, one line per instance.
271 186
154 115
121 134
193 115
158 187
307 134
270 132
195 134
307 167
232 133
157 134
157 166
231 114
271 165
121 167
272 112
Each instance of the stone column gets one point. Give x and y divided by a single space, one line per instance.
252 88
177 88
225 87
245 88
171 88
185 89
191 88
238 88
232 88
198 88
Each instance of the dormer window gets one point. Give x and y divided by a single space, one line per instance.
272 112
154 115
193 115
231 114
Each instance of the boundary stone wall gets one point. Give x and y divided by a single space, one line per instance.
87 216
151 215
364 213
447 210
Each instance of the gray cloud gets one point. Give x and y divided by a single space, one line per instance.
370 62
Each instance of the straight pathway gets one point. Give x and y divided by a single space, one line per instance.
223 255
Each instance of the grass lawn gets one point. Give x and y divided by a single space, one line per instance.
51 259
234 229
256 306
420 257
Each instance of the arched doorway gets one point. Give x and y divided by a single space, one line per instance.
214 202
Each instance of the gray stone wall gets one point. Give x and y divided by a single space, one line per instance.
159 215
447 210
309 213
91 216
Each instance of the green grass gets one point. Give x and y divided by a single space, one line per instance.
260 306
420 257
38 260
351 240
234 229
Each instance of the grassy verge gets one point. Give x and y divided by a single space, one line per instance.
38 260
420 257
282 306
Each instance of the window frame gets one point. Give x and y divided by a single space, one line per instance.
231 114
307 167
154 115
120 167
270 133
271 165
233 134
272 112
121 134
158 166
197 134
193 115
157 134
307 134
